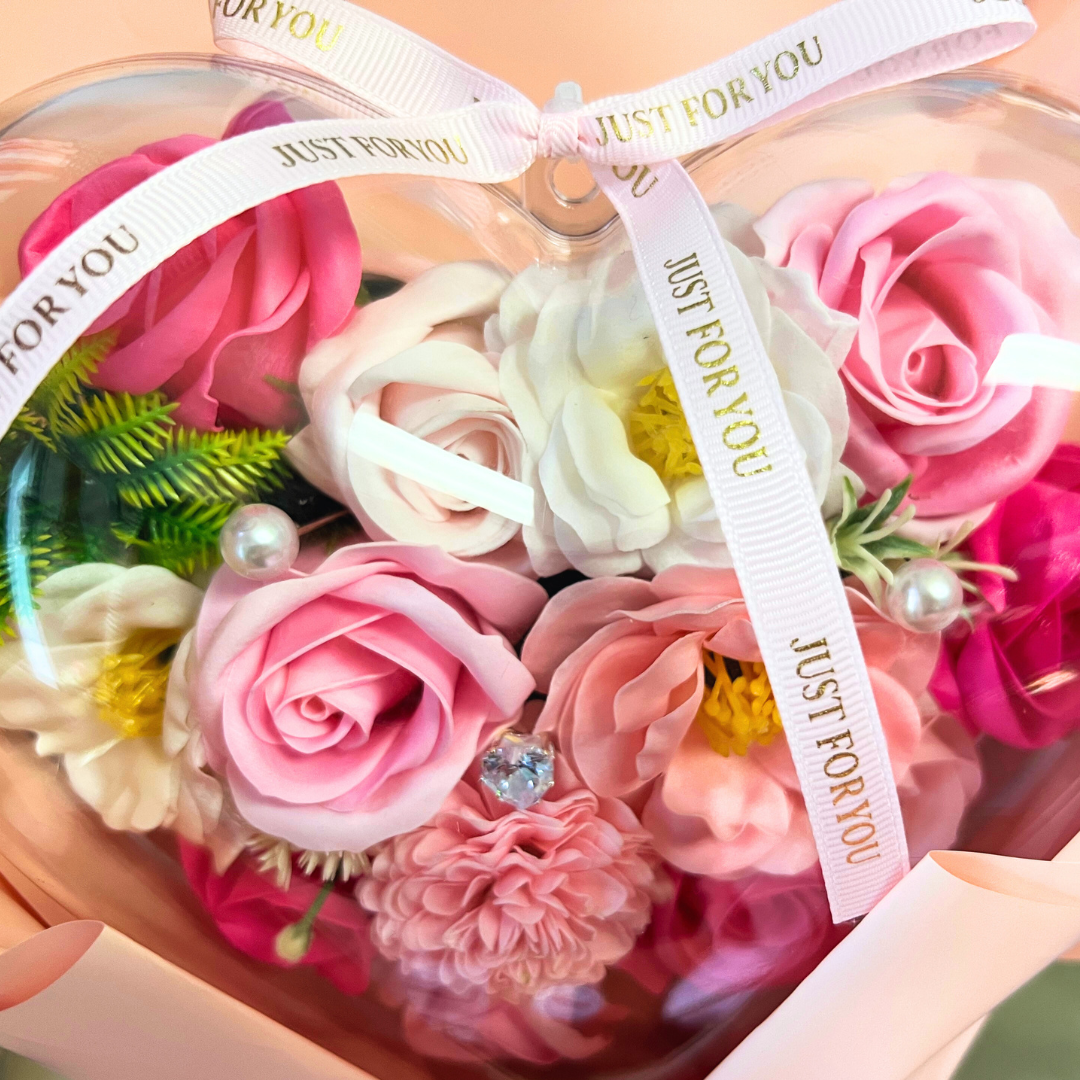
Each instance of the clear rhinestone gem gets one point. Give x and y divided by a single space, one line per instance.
519 769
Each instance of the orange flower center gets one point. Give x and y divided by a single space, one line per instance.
735 713
659 434
130 689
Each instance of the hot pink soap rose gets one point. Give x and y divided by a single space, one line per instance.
221 325
250 911
938 270
715 939
344 702
621 661
514 901
1016 674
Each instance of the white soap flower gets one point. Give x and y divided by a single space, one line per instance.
89 678
582 370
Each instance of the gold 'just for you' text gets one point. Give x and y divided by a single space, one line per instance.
825 711
714 103
720 377
98 260
334 147
284 18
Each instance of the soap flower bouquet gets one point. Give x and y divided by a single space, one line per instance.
525 784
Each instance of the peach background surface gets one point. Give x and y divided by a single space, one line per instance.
606 45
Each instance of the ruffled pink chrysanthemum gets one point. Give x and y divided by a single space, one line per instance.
514 900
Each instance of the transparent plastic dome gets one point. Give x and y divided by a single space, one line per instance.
117 467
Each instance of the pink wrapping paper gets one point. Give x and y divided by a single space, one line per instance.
900 999
16 923
63 866
90 1003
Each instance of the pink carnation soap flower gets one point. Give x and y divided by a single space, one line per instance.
1016 674
515 901
222 325
343 703
250 910
714 939
938 269
657 695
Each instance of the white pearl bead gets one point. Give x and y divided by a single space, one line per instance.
925 595
259 542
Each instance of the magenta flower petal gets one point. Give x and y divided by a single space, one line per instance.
221 321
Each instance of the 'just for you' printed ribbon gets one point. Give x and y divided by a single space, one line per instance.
443 118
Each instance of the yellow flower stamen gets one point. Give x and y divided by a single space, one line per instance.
734 713
659 434
130 690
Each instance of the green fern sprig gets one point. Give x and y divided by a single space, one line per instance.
43 555
182 538
67 377
30 422
864 538
207 466
156 488
114 433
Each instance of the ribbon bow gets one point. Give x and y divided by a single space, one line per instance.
443 118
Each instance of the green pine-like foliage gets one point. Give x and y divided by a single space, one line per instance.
206 467
41 555
865 541
125 480
113 433
183 537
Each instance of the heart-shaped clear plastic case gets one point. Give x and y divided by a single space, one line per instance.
455 795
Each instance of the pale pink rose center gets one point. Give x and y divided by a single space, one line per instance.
337 694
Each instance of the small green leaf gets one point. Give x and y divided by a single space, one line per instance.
898 547
890 502
864 540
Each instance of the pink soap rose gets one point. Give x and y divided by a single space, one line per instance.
416 360
1016 674
222 325
715 939
344 702
621 661
938 269
514 901
250 911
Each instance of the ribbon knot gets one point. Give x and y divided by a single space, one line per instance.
557 135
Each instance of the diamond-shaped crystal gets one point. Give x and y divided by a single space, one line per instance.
519 769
